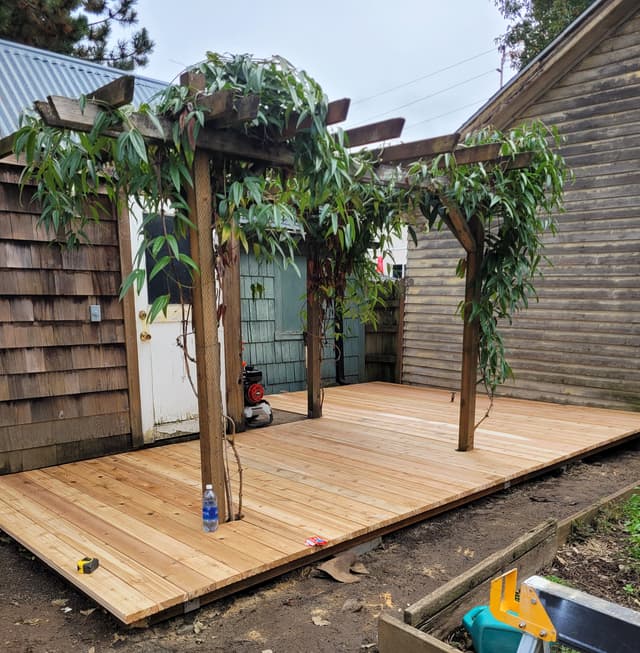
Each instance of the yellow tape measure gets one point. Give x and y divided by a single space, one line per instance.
88 565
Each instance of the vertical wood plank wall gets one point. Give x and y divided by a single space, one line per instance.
383 341
581 343
63 379
273 343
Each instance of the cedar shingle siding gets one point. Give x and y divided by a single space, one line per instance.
63 380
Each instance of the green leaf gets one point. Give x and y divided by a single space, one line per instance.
155 122
136 277
243 240
235 192
174 173
156 245
138 144
173 245
188 261
158 306
160 265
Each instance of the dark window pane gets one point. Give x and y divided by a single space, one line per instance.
167 280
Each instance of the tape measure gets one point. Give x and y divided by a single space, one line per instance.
88 565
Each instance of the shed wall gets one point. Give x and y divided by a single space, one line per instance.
273 301
63 379
581 342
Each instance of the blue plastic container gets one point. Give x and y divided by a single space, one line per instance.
488 634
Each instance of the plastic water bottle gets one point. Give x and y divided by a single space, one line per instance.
209 510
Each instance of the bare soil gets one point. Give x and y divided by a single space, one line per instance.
300 612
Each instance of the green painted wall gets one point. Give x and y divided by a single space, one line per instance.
272 328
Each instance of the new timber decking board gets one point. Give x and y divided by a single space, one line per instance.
382 456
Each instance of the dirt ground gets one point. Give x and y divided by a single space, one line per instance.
300 612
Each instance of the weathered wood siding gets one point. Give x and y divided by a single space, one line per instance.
63 379
581 343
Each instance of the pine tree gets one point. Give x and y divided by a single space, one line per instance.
534 24
80 28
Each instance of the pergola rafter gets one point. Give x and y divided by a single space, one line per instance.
220 139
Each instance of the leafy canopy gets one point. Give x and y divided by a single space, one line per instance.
81 28
332 205
534 24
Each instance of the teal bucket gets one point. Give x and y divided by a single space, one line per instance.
488 634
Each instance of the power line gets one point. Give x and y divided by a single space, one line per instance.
431 95
441 115
419 79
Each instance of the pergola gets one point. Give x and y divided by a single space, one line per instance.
222 139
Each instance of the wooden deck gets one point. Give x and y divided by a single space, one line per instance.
382 457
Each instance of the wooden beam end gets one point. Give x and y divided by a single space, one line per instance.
338 110
194 79
116 93
374 133
415 150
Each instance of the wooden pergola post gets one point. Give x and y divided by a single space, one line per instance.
314 344
470 339
232 322
470 234
205 320
130 335
199 198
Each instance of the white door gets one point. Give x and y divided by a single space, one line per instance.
166 392
169 404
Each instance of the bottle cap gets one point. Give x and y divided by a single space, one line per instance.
208 486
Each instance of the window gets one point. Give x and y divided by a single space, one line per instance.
397 271
290 289
167 280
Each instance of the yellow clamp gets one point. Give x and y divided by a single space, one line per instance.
527 615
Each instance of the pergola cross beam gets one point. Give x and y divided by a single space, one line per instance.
67 113
336 112
414 150
116 93
374 133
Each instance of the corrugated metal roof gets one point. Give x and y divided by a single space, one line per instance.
28 74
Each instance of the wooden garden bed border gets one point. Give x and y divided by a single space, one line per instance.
441 611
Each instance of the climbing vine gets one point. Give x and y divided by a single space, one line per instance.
516 206
330 205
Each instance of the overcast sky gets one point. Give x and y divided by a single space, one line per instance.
353 49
